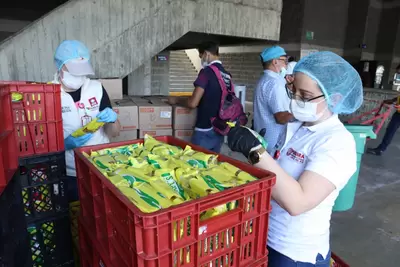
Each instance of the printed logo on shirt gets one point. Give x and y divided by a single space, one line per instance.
65 109
93 103
80 105
294 155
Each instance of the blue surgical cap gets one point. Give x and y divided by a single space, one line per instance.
336 77
69 50
272 53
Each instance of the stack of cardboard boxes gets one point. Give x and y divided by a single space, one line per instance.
155 116
183 122
127 112
148 115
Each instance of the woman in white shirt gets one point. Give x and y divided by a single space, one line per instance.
313 160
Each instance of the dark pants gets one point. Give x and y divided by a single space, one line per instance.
276 259
394 124
209 140
72 189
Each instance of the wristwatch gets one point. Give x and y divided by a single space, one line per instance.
256 155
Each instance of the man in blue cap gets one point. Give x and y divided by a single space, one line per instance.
271 102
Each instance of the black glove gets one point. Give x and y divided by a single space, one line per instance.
241 139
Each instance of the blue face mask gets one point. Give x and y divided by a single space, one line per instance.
283 72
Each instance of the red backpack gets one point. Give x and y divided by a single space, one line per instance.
230 110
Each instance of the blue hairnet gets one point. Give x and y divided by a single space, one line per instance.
68 50
335 76
272 53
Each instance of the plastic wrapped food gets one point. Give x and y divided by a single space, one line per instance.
159 148
130 177
195 158
91 127
104 162
197 187
157 162
128 150
244 176
167 191
16 97
168 176
121 159
221 186
218 173
137 162
155 175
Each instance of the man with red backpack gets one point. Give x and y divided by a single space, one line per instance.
215 100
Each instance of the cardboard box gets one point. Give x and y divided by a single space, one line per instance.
153 113
113 87
159 132
126 135
183 118
185 135
127 113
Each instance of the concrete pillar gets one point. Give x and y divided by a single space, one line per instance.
151 78
139 81
160 74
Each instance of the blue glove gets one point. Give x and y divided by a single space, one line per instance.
74 142
107 115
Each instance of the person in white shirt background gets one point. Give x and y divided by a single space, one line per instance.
82 100
314 159
271 103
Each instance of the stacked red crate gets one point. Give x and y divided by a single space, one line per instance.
174 237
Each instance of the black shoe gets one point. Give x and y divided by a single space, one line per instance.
374 151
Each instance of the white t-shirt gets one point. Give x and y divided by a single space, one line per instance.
329 150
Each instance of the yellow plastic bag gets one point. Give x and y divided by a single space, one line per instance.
168 177
199 159
241 175
16 97
91 127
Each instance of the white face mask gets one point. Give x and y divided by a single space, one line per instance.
72 81
204 61
283 72
308 113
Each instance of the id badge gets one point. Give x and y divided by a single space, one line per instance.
86 119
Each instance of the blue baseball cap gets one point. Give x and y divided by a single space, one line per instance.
272 53
75 56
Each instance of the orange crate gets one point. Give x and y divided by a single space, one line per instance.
37 118
175 237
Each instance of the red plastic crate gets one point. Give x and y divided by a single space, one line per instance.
91 254
338 261
156 239
37 118
8 158
5 111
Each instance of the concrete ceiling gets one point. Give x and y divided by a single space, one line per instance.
193 39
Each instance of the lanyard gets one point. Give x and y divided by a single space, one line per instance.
85 119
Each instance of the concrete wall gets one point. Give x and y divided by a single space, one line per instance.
327 20
151 78
123 35
245 69
342 27
139 81
160 75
